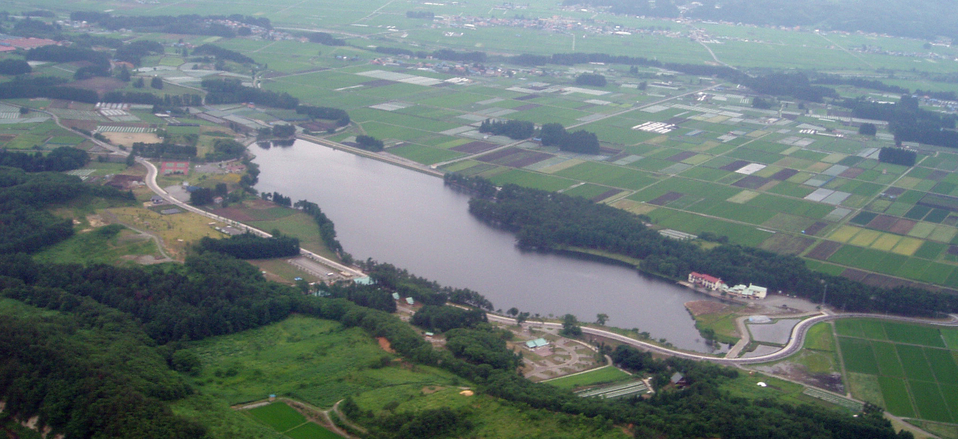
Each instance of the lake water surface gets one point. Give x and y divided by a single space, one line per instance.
411 220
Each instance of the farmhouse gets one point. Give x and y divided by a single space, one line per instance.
704 280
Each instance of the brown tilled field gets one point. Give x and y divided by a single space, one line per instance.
128 139
701 307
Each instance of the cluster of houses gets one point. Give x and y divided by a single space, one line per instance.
713 283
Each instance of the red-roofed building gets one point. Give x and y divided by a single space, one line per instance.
704 280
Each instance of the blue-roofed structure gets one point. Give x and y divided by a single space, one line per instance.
365 280
537 343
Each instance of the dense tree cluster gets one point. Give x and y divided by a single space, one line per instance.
232 91
443 54
223 54
422 290
513 129
163 150
64 158
11 66
593 79
91 382
446 318
546 220
225 149
325 39
897 156
250 246
327 231
45 87
581 141
908 122
874 84
326 113
867 129
98 63
479 187
369 143
23 196
423 15
483 346
36 29
134 52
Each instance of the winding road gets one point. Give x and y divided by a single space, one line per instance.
795 342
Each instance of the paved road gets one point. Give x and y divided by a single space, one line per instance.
151 183
795 342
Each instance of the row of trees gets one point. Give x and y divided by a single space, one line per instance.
446 318
324 39
369 143
250 246
897 156
581 141
64 158
593 79
189 24
232 91
326 113
223 54
513 129
327 231
163 150
546 220
907 121
11 66
27 226
22 87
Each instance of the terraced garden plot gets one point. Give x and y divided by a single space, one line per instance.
824 250
913 334
609 175
907 246
278 415
887 356
531 180
787 244
858 355
844 233
896 396
929 401
424 154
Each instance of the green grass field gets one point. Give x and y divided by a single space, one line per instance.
599 376
914 370
278 415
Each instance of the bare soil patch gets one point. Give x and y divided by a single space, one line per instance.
128 139
234 214
384 344
824 250
99 84
797 372
702 307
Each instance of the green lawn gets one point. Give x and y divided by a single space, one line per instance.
598 376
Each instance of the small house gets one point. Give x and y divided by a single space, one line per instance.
678 380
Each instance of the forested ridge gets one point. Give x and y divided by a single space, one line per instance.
96 351
547 221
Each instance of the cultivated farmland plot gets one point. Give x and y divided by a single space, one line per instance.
915 366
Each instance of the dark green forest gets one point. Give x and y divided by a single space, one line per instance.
549 221
96 351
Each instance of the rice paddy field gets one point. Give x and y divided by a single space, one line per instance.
690 152
909 369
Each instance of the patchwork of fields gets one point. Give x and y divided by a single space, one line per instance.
910 370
